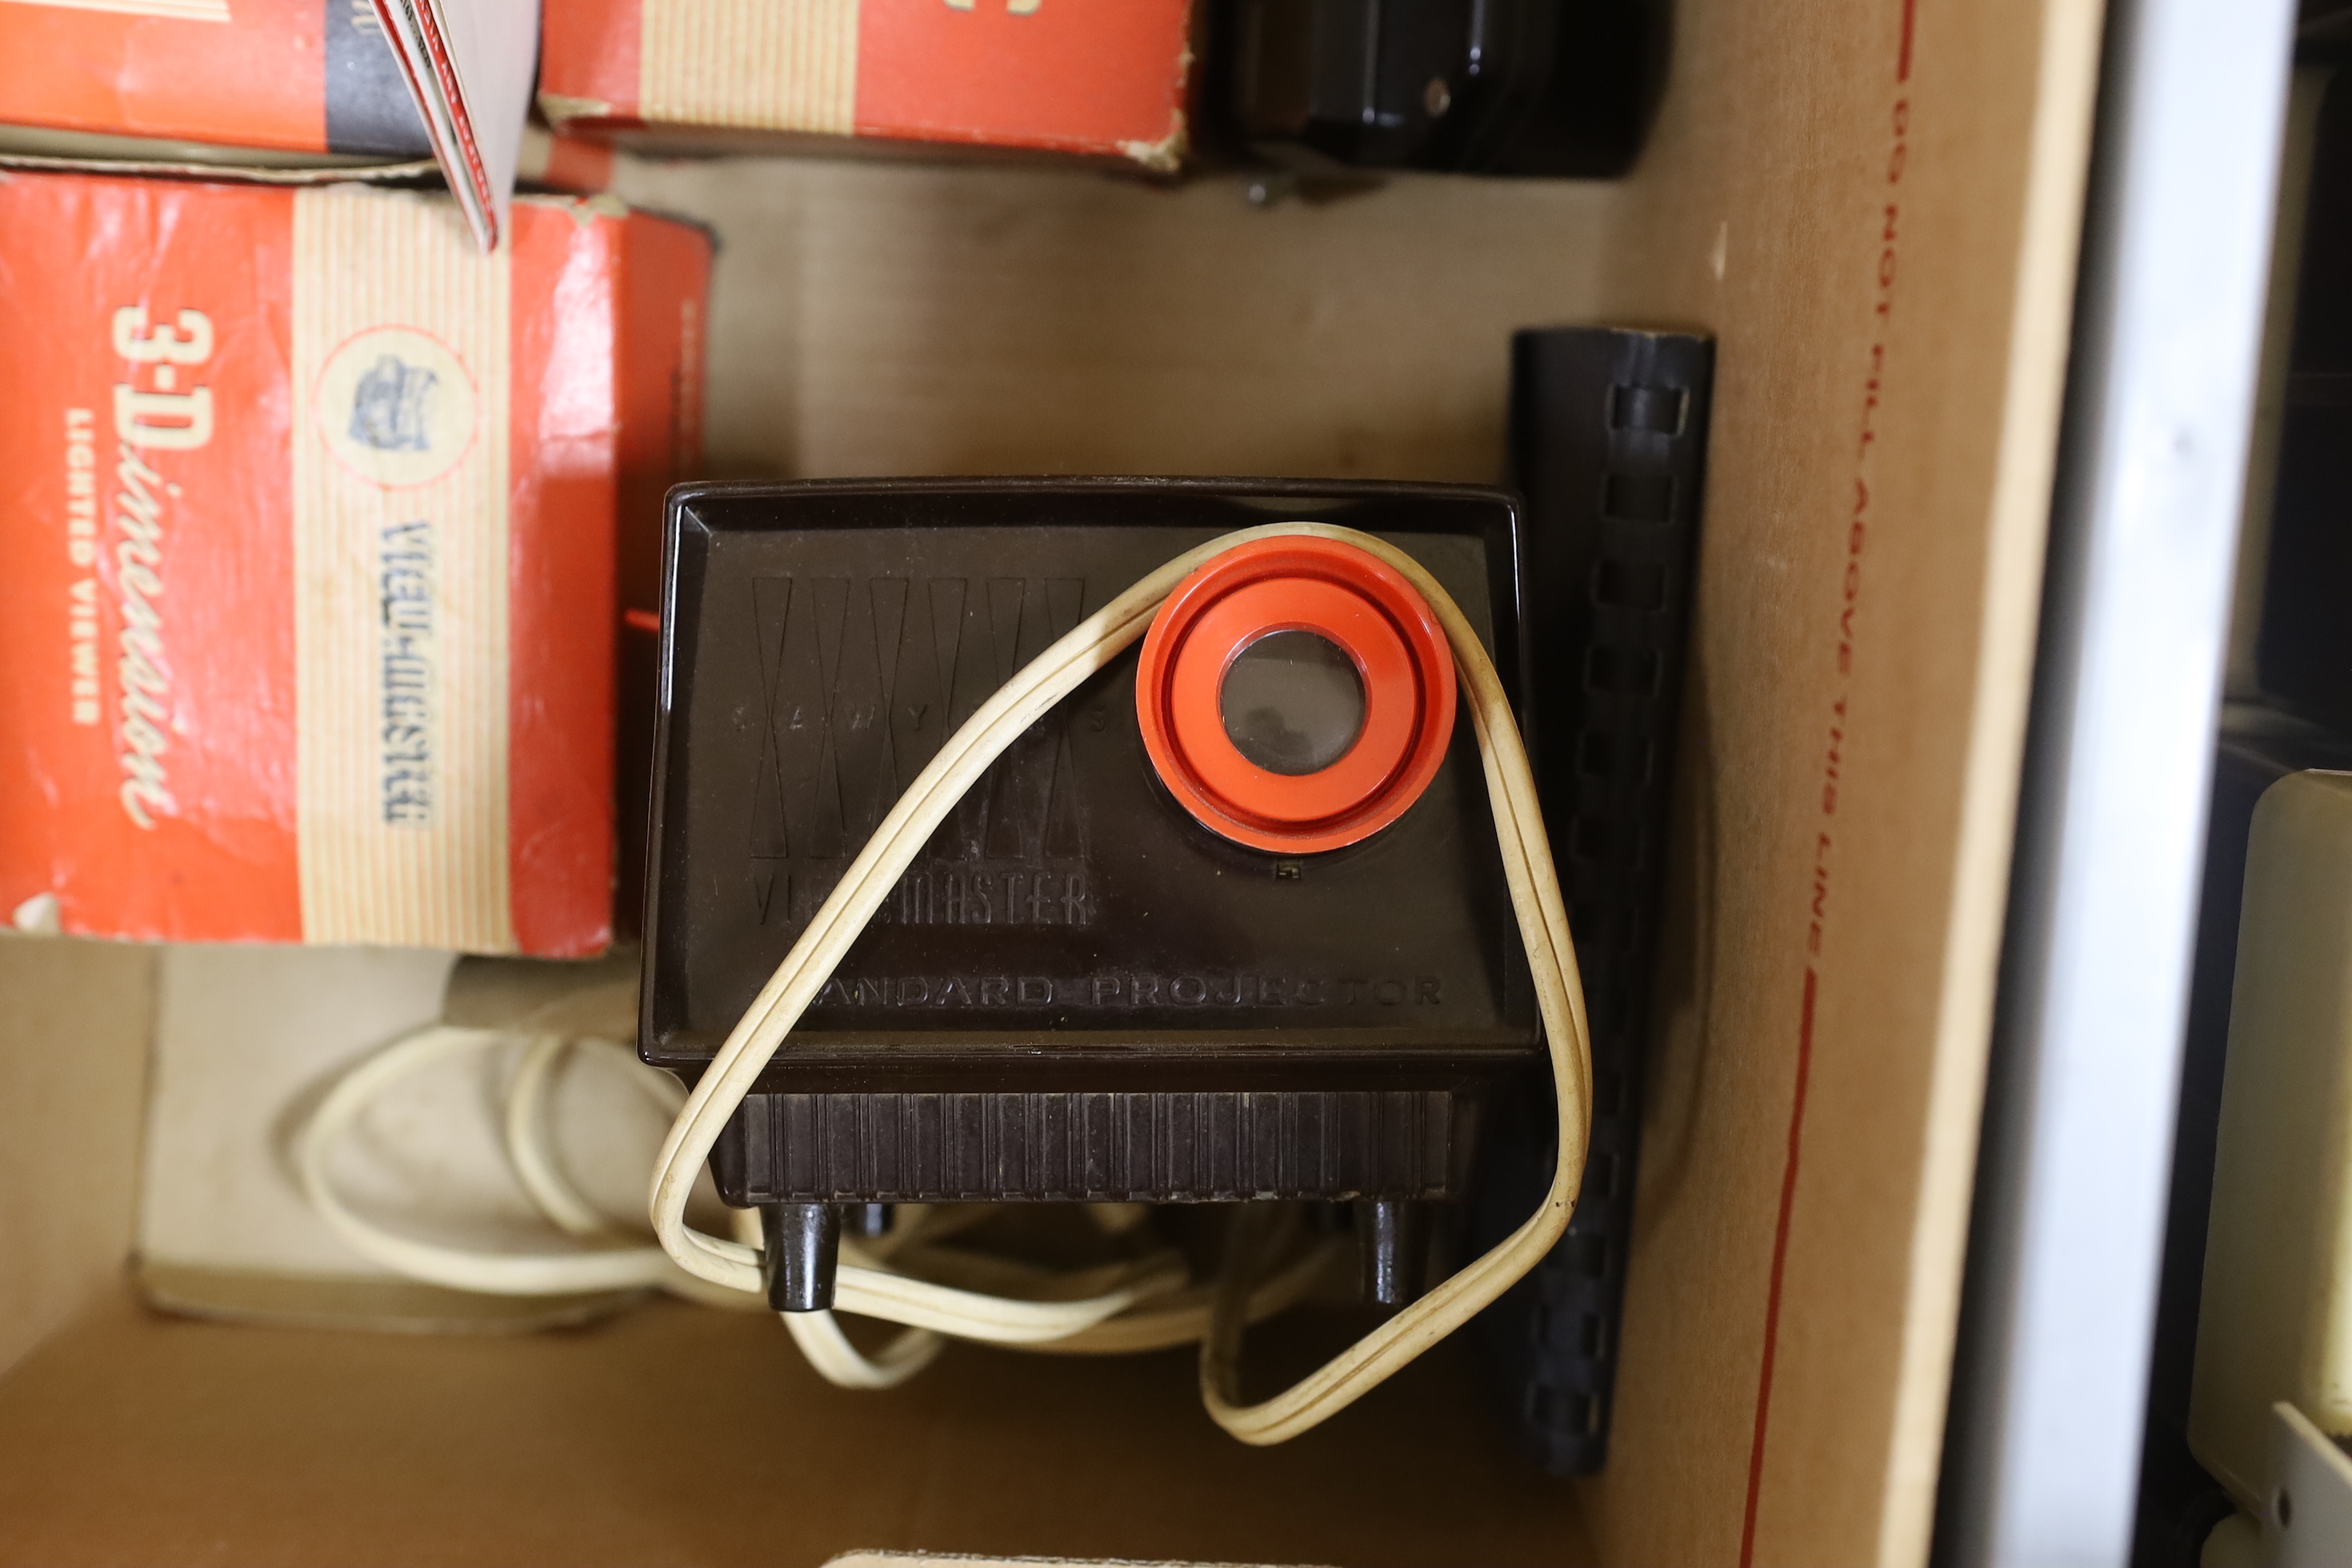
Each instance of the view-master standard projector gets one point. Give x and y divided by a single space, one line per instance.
1228 922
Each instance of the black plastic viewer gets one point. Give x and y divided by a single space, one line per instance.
1079 992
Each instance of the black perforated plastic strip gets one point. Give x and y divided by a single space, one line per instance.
1608 442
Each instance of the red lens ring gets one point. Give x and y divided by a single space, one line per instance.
1338 592
1279 802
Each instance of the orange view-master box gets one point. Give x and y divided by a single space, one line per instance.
320 528
296 80
1103 77
279 90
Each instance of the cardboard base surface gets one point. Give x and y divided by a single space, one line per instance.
678 1435
1873 204
73 1078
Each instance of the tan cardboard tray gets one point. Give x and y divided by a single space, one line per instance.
1875 206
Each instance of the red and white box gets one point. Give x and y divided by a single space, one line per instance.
279 90
1101 78
319 529
266 82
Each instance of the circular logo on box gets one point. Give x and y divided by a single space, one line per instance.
395 407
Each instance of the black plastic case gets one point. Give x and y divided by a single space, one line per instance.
1077 991
1543 88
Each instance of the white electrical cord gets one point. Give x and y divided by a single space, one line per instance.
610 1263
526 1145
533 1155
820 1339
975 1296
1060 669
1186 1317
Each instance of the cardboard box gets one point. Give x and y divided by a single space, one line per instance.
314 523
279 82
277 92
1830 961
1107 80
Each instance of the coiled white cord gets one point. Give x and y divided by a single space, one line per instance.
608 1262
1052 675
